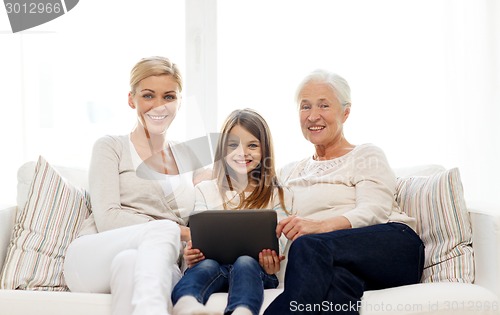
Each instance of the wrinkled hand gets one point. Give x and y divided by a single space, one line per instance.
192 256
270 261
293 227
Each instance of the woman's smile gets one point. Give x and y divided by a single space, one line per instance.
316 128
156 117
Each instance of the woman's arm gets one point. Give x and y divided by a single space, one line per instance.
294 226
104 186
375 185
201 174
185 233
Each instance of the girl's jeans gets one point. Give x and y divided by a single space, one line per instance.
328 273
244 280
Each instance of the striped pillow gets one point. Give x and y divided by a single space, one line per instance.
443 223
42 232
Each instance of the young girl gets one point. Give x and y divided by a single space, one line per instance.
245 178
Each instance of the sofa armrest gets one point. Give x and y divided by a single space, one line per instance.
485 220
7 217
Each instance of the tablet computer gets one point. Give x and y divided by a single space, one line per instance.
225 235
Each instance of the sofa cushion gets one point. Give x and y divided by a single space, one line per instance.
42 232
443 223
24 302
77 177
430 299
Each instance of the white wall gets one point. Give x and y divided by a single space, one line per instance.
424 76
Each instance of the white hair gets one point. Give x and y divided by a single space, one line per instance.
338 84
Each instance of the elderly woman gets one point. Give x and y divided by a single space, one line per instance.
348 234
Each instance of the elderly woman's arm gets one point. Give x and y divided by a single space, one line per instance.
374 184
293 226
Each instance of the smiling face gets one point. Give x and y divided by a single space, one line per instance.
156 100
243 151
321 114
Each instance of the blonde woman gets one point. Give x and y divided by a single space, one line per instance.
142 190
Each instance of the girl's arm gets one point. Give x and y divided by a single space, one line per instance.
200 202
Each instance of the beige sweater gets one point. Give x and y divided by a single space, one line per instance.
359 186
124 191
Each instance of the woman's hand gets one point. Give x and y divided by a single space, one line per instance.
185 233
270 261
192 256
294 227
202 175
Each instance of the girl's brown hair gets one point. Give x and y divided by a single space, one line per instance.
264 174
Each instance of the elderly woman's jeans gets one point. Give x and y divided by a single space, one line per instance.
328 273
245 281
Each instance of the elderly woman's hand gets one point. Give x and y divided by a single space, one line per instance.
294 226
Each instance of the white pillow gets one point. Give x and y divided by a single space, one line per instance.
42 232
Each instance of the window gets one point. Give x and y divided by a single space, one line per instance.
66 81
423 75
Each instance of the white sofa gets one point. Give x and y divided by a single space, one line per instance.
424 298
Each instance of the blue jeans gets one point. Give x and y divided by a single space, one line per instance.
245 280
328 273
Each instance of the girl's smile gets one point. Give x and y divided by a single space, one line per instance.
243 152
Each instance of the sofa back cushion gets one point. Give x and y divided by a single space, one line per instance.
7 216
443 223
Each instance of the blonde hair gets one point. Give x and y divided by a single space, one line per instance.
155 65
264 173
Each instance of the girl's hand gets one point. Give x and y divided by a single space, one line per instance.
192 256
270 261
